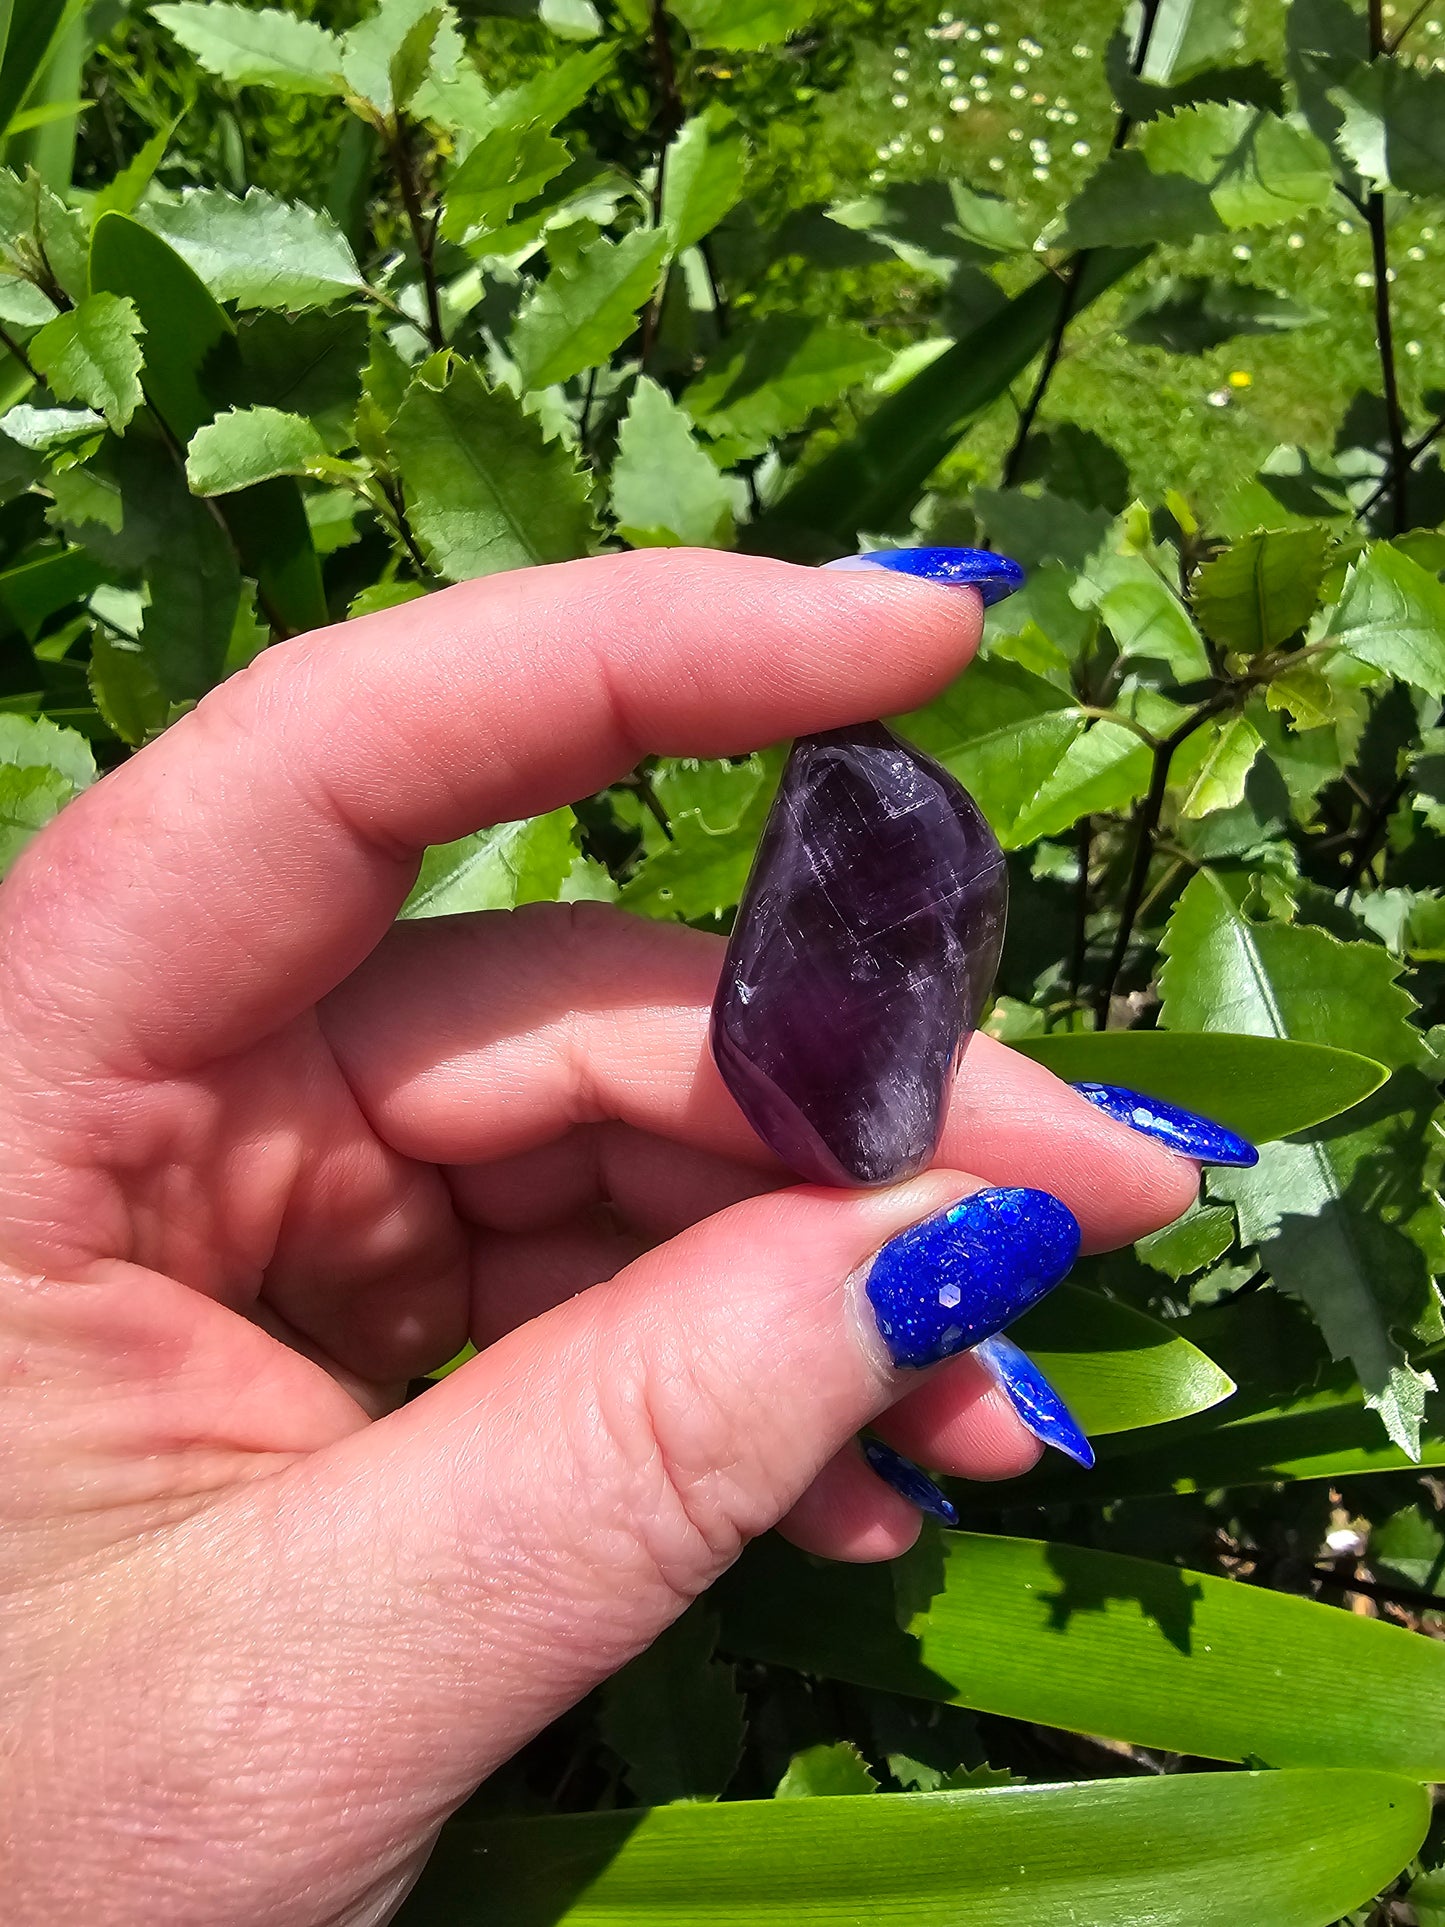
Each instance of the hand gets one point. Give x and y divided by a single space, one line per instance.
266 1157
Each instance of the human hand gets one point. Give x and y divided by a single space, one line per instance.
266 1157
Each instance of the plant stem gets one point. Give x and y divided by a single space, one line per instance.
1079 956
668 118
423 231
1392 45
1408 1596
1384 327
1413 453
12 346
1368 839
392 496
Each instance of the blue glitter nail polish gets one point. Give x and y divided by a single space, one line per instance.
1184 1131
1034 1399
909 1481
954 1280
994 576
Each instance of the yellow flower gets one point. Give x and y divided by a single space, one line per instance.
1240 378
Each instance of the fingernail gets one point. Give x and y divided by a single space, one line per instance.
947 1284
1183 1131
909 1481
1034 1399
994 576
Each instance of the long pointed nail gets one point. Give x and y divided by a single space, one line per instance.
946 1284
1034 1399
1183 1131
994 576
909 1481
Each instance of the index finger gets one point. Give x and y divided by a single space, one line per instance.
242 865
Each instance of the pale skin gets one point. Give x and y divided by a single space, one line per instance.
263 1159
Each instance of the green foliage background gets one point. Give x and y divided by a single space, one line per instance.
307 311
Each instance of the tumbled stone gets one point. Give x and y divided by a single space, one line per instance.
864 950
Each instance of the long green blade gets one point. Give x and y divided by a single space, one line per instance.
1099 1643
1200 1850
873 479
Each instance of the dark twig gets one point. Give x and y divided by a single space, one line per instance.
423 228
668 118
722 314
1375 217
1367 840
1413 452
1410 1597
1392 45
12 346
1081 907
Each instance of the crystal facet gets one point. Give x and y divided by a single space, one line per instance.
865 946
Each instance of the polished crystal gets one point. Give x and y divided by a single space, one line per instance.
864 950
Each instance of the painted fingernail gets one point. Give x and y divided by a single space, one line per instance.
1034 1399
947 1284
909 1481
994 576
1183 1131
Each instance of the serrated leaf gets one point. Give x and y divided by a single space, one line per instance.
496 868
768 379
24 305
702 177
92 354
249 445
1261 590
1192 1242
256 47
1409 1545
743 25
1104 770
258 252
1392 615
124 687
675 1716
41 768
483 489
308 364
1145 616
1189 316
665 489
1219 782
717 818
1125 203
49 428
1258 168
123 193
509 165
386 57
827 1769
578 316
1393 125
40 236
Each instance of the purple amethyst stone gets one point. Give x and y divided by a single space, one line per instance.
864 949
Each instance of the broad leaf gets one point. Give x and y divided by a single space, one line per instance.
702 177
1261 1086
41 769
674 1715
92 354
579 315
125 689
744 25
1145 616
1258 168
250 445
1104 1644
510 164
700 873
40 236
1103 770
497 868
386 57
256 47
1191 316
1393 125
1263 590
484 490
1187 35
1219 781
1125 203
665 489
1392 615
258 252
1191 1243
768 379
826 1771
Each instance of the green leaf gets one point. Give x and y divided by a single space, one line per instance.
1188 35
1190 316
1263 590
1393 125
578 316
256 47
700 873
666 490
1126 203
826 1770
768 379
1117 1369
125 192
1145 616
40 237
702 177
484 490
258 252
1261 1086
1258 168
1099 1643
49 428
1104 770
387 56
1392 615
510 164
1219 782
1225 972
92 354
308 364
41 769
570 19
873 479
549 96
1409 1546
125 689
250 445
1181 1850
497 868
1191 1243
32 592
1324 1211
1002 731
743 25
675 1716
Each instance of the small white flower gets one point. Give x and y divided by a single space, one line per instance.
1415 254
1219 398
1345 1540
1054 115
900 53
1364 279
1022 66
960 103
1081 148
1018 93
935 133
978 82
900 100
993 55
995 166
878 174
1015 133
1080 51
950 81
1242 252
983 95
973 34
884 152
1041 173
1071 119
900 73
945 66
1412 348
990 27
1296 241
